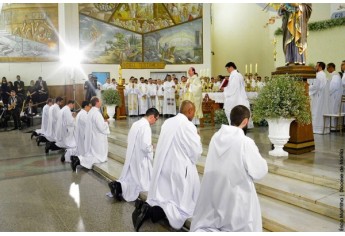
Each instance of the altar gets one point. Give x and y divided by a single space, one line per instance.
218 97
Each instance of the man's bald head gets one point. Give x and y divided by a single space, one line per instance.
188 109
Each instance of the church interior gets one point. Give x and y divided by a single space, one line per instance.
65 43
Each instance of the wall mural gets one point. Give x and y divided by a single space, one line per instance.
177 45
100 11
105 44
169 32
28 32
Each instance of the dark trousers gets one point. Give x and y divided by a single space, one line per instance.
15 113
27 119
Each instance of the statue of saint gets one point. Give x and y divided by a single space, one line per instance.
295 27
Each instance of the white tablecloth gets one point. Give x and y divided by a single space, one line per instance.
219 97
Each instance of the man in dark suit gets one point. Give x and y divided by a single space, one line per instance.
90 87
42 89
19 87
14 107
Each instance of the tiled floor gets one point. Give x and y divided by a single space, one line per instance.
39 193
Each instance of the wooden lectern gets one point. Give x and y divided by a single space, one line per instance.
301 136
121 110
207 108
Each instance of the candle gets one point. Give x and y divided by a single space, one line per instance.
256 68
250 68
120 72
246 68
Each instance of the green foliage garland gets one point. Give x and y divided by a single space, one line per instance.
283 96
320 25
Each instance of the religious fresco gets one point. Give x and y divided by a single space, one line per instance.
181 44
106 44
100 11
142 17
29 32
182 12
164 25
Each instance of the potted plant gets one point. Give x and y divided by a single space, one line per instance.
220 117
281 101
111 99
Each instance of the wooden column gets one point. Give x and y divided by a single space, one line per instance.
301 136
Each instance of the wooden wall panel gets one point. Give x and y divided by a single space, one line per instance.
66 91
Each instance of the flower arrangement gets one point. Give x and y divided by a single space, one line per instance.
110 97
283 96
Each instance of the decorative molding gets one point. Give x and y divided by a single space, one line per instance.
142 65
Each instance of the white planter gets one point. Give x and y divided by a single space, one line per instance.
279 134
111 112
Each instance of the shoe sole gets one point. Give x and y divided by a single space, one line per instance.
143 216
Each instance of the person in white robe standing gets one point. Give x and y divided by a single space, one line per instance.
137 170
335 92
182 90
108 85
152 92
319 98
79 133
194 87
131 92
96 138
142 96
234 92
227 199
169 104
160 96
65 127
175 181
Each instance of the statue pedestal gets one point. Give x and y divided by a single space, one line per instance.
301 136
121 111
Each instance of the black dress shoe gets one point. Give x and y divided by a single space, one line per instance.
144 215
14 128
74 162
47 147
118 191
139 203
63 156
112 187
157 214
33 134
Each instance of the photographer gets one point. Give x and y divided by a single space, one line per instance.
90 87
